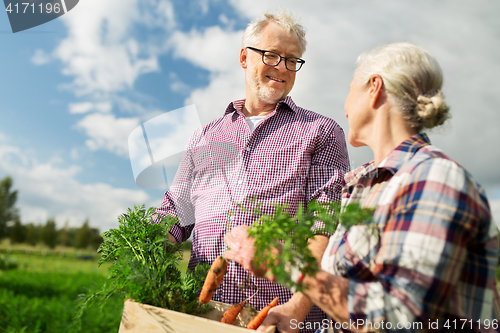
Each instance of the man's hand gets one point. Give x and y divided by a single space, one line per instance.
172 238
288 315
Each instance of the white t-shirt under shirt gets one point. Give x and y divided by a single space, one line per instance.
254 121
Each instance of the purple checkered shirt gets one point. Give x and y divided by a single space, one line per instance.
293 156
433 264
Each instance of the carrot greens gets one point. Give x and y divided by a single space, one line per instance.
144 265
291 234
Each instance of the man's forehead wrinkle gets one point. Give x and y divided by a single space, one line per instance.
277 44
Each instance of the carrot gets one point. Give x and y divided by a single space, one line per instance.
213 279
259 318
231 313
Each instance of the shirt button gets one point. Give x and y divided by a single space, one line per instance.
248 149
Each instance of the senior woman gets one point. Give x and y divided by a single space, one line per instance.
432 264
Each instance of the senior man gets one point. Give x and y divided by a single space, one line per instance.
265 148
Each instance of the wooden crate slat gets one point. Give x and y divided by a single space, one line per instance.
143 318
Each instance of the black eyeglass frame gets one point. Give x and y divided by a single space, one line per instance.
299 61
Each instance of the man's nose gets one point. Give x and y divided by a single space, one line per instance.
282 66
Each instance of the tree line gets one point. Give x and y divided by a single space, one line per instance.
11 226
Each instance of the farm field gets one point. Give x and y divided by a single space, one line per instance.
41 294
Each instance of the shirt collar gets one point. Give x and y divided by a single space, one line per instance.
286 103
404 152
352 176
392 162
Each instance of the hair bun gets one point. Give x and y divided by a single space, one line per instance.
432 109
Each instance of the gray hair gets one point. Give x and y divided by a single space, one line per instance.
413 77
284 19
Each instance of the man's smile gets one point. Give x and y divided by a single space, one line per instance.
275 79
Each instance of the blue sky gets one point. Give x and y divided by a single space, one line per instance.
73 89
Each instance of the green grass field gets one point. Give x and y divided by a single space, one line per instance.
40 296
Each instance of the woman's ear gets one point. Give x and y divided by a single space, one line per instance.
243 58
376 91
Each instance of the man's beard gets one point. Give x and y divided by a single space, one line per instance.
264 93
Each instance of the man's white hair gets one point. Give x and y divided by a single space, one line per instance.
284 19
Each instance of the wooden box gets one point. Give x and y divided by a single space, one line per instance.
143 318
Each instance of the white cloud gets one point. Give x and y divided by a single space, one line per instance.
217 51
169 133
223 19
204 4
101 52
84 107
177 85
77 108
213 49
107 132
158 13
212 101
156 147
48 190
128 106
40 57
74 154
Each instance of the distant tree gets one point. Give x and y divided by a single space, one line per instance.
95 238
86 237
32 234
67 235
49 233
82 237
8 211
17 233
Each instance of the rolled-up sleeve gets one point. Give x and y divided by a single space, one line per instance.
177 201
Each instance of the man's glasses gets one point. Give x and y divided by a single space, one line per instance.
273 59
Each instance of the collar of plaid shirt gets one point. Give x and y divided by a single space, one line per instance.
392 162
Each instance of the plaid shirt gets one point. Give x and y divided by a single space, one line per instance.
293 156
434 257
